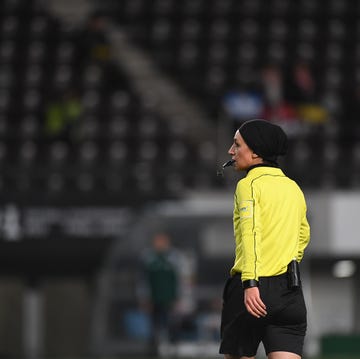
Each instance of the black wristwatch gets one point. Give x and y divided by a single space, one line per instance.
250 283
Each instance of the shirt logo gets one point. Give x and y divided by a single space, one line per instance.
246 209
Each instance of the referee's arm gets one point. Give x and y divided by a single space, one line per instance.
304 236
250 234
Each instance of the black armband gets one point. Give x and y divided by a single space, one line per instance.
250 283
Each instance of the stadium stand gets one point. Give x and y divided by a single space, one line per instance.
73 126
210 48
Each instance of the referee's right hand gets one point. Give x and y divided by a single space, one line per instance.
253 303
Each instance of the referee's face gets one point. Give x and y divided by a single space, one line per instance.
240 152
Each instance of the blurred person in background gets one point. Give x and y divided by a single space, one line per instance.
161 275
301 86
302 93
62 114
276 107
93 39
263 299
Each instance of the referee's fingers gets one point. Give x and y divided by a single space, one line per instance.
254 305
252 310
256 308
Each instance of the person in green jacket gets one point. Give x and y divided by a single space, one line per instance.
161 274
263 299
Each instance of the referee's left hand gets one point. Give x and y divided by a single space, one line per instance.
253 303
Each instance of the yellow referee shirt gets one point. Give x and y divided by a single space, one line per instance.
270 225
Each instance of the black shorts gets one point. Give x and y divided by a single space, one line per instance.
283 328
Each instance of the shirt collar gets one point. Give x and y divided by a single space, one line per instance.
262 165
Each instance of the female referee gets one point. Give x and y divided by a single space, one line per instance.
263 299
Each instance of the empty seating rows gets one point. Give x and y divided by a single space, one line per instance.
72 125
